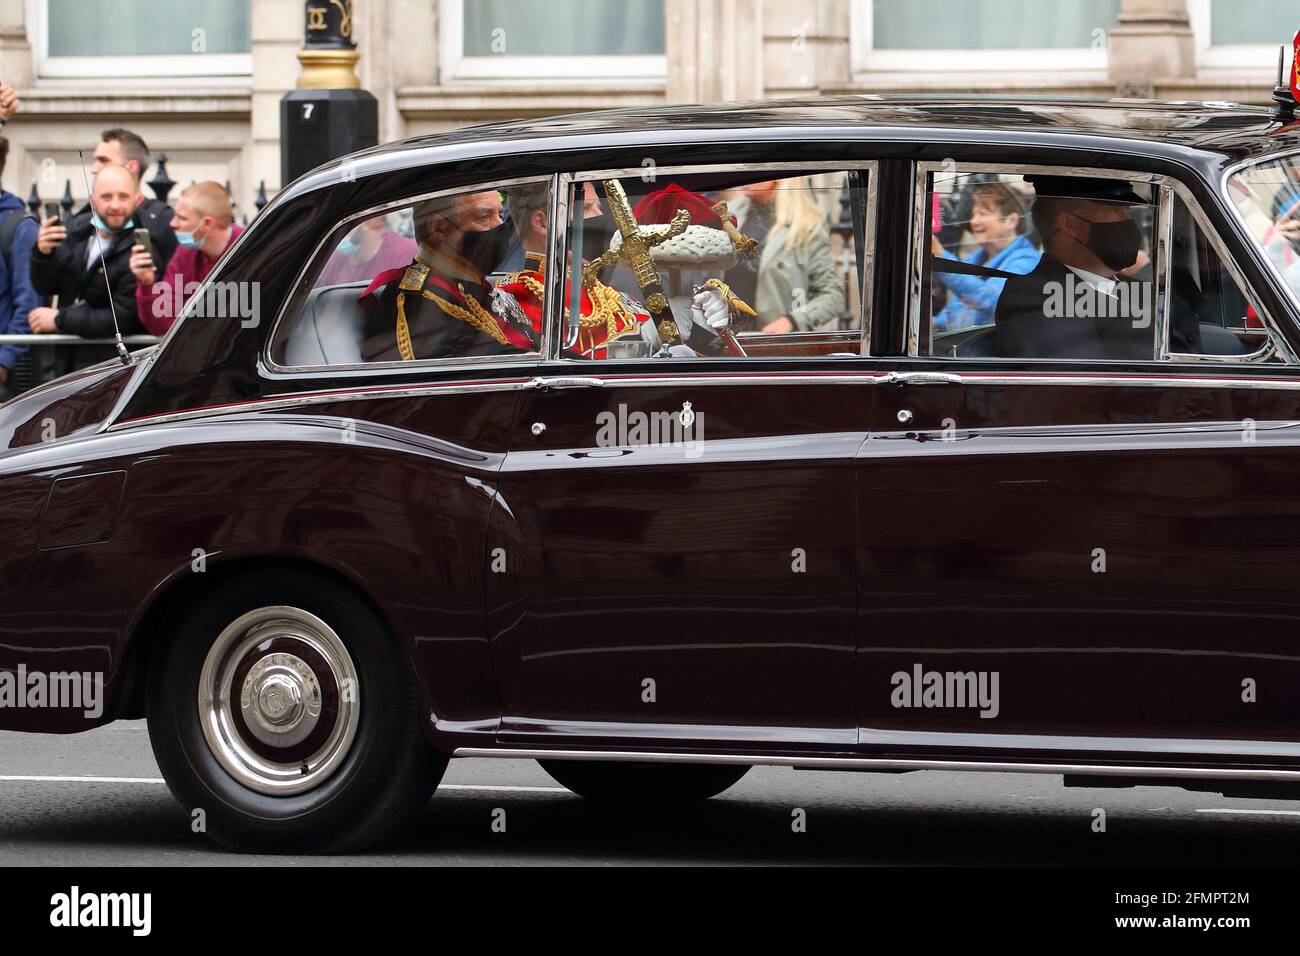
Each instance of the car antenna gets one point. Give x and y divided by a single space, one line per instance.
122 353
1283 110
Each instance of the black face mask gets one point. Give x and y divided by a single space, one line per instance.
485 250
1114 243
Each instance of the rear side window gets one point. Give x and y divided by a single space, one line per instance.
442 279
785 249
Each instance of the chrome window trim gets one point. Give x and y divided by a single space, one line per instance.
299 399
278 371
1239 221
1166 379
870 233
1163 249
870 224
916 229
1277 343
885 763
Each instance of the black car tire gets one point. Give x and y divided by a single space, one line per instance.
630 782
379 783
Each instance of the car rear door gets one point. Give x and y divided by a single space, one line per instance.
674 541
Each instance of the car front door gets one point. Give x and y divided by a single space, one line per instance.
1088 557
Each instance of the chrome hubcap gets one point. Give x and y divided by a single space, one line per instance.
279 700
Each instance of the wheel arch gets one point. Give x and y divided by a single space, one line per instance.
147 636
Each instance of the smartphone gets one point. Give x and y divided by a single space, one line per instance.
52 210
142 239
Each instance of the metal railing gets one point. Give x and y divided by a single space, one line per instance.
53 338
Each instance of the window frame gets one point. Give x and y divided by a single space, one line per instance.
315 262
456 65
867 59
866 281
1227 56
145 66
1168 189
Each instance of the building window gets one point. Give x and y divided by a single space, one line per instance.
1241 33
523 39
939 37
140 38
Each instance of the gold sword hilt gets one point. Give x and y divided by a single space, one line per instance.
746 246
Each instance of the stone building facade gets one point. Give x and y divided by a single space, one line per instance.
204 87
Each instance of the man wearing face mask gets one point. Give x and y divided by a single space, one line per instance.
1075 303
205 228
67 263
442 304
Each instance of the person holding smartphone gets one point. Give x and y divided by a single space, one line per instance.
204 224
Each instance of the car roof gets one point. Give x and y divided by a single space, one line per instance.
1205 133
1217 125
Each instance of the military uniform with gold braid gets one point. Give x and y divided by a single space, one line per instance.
440 306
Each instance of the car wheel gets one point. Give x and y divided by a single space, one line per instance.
619 782
284 717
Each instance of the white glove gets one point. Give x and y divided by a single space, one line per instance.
710 311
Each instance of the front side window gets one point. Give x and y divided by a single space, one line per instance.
1037 266
716 264
442 279
1052 266
1209 313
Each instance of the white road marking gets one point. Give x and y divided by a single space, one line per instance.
51 778
477 786
35 778
1278 813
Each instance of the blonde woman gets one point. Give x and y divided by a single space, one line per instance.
795 286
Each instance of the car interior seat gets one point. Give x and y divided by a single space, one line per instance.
329 328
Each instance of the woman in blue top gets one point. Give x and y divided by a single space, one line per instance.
997 224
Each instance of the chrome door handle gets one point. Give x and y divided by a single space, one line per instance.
922 378
560 381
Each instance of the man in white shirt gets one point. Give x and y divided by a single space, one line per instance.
1076 303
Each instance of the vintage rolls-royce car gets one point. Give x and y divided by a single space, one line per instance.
875 434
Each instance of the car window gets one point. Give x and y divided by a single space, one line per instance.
1037 266
1267 196
1209 314
444 278
725 264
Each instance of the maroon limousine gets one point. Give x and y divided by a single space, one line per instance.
875 434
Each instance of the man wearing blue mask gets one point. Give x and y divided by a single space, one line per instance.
82 264
205 228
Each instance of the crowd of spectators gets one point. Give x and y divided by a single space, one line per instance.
121 263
